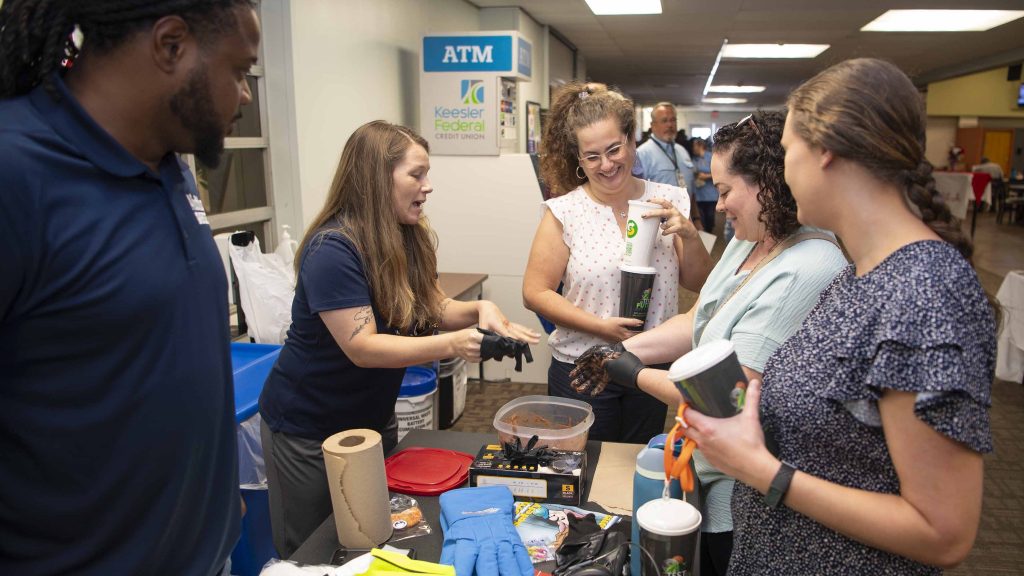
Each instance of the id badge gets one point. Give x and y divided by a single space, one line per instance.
680 180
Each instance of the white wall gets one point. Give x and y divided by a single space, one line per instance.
353 62
485 210
560 61
940 135
534 90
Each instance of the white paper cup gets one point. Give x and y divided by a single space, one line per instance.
641 234
710 379
668 533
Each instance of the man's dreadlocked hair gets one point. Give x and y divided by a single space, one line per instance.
35 35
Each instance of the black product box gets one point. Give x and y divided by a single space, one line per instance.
556 476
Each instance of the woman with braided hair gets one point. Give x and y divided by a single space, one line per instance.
116 415
878 405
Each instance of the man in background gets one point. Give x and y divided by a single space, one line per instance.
116 399
990 167
666 161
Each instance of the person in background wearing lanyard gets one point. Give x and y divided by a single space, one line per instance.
665 161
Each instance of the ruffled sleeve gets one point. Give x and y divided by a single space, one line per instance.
938 344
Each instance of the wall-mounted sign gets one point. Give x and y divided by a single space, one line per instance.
460 89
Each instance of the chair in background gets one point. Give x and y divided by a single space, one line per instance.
1007 200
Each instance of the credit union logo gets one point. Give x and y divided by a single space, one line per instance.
472 92
631 229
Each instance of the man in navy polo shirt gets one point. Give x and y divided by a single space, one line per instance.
117 432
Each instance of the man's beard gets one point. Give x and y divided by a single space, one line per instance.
193 106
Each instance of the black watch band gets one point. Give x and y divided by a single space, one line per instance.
779 486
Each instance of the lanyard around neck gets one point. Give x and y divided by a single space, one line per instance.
671 155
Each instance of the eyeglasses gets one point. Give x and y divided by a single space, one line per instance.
750 118
615 153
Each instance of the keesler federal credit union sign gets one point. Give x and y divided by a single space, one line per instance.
459 88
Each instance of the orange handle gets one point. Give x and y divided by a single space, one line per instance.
679 467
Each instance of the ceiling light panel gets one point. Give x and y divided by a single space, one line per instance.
773 50
737 89
622 7
941 20
724 100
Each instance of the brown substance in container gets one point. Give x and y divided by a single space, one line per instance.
529 419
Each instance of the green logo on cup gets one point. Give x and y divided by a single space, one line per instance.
631 229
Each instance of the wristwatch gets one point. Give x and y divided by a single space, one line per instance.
779 486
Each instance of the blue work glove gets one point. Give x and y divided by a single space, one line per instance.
479 537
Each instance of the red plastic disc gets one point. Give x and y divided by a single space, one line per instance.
426 471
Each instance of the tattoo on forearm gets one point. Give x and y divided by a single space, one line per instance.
363 316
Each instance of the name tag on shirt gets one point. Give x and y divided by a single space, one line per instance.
196 204
681 180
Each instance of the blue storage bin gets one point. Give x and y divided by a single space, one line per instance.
251 363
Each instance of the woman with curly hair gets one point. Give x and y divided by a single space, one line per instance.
587 153
757 295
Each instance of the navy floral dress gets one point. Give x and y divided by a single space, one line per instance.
919 322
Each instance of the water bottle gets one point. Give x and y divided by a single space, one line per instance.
649 484
286 247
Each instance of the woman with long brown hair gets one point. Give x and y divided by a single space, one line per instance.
367 305
878 405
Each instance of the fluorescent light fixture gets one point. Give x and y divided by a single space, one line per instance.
724 100
718 59
773 50
941 20
620 7
737 89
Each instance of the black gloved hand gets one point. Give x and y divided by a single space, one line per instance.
605 363
495 347
587 545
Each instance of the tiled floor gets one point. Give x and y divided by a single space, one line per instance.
999 549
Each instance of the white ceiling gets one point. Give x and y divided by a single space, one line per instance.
669 56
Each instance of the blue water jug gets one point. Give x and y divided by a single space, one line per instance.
649 483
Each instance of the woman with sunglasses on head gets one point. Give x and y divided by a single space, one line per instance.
587 153
878 405
367 305
767 280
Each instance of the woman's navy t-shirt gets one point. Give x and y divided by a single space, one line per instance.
315 390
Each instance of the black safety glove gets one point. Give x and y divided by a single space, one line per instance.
495 347
605 363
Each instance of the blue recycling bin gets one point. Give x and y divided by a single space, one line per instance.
251 363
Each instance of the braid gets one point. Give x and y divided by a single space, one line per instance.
33 37
933 210
34 34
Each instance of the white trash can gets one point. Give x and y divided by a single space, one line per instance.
415 408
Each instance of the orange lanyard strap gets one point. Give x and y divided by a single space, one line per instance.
679 467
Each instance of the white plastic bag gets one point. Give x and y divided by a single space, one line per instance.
252 472
266 286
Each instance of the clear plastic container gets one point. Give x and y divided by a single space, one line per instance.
559 423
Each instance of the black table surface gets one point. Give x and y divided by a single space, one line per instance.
320 546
